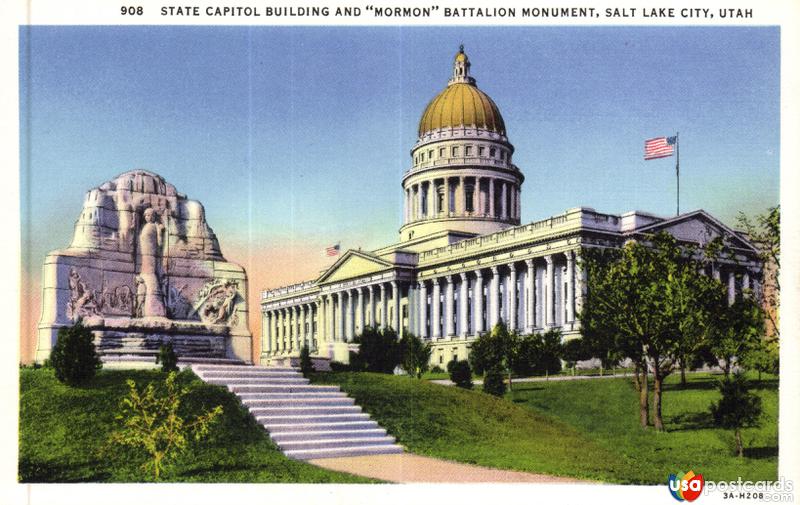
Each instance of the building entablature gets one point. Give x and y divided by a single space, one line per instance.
472 167
469 132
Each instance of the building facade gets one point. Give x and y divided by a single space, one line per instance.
464 261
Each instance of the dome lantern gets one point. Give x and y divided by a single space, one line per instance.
461 68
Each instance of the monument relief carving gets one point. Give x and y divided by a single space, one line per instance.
145 267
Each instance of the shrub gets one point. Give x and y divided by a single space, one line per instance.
167 358
461 373
738 408
338 366
438 369
378 351
151 423
306 366
416 355
74 356
493 382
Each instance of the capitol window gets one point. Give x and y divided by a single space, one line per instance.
441 152
468 151
455 151
481 151
492 152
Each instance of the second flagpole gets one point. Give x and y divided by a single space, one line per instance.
678 171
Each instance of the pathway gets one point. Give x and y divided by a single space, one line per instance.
406 468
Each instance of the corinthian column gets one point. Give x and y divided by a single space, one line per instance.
549 286
436 331
384 308
494 301
449 301
477 300
359 311
530 297
423 310
570 301
463 307
396 307
512 297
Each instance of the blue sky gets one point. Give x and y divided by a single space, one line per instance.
300 135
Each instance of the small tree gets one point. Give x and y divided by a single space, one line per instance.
74 356
378 350
151 423
736 331
499 350
461 374
167 358
575 350
416 355
306 365
493 382
738 408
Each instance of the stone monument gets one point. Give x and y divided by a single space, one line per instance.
145 268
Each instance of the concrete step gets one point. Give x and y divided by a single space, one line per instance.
324 434
327 443
235 368
327 395
263 381
282 388
338 401
340 452
320 410
311 418
282 427
260 377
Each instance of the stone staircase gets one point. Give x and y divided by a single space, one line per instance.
305 420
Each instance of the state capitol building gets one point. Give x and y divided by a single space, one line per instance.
463 261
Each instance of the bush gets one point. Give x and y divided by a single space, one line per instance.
378 351
738 408
74 356
461 373
438 369
151 423
493 382
167 358
416 355
338 366
306 366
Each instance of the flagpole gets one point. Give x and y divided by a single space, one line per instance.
678 171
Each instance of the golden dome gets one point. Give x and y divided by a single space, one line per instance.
461 103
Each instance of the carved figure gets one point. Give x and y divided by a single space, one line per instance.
150 243
82 299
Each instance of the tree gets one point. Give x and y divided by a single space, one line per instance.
639 305
416 355
167 358
765 233
378 350
74 357
151 423
736 330
738 408
575 350
493 382
498 350
461 374
306 365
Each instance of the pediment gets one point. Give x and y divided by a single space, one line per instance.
354 264
699 227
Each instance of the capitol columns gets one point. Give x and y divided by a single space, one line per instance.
580 284
512 297
384 307
265 333
449 300
477 298
301 334
436 327
463 309
396 307
423 310
731 287
359 311
549 291
491 200
320 321
570 301
371 306
530 297
340 316
494 301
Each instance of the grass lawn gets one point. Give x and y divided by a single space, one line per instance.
586 428
606 411
63 429
473 427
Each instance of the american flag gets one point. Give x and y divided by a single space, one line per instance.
332 250
660 147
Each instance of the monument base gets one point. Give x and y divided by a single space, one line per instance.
138 340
